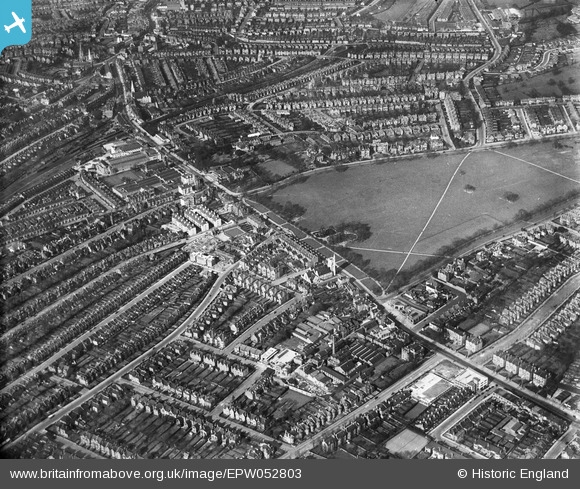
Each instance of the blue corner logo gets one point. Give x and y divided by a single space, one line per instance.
15 22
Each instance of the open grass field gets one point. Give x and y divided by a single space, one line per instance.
400 11
279 168
461 214
296 397
544 85
384 196
544 30
393 11
407 444
397 199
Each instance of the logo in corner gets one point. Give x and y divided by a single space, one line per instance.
15 22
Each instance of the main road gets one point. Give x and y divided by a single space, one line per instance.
114 228
481 131
73 344
312 442
539 316
142 389
546 403
494 41
243 387
262 322
438 431
89 394
62 298
560 445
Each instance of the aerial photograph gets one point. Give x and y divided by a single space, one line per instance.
290 229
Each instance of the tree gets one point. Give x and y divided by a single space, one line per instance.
511 196
565 29
523 215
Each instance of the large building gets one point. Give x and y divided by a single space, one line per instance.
122 156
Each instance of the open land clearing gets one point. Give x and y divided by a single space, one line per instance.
405 11
397 199
407 444
545 85
546 29
279 168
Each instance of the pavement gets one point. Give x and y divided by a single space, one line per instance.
107 232
211 295
495 42
262 322
243 387
236 426
36 141
457 416
312 442
108 272
70 346
538 317
73 446
548 404
560 445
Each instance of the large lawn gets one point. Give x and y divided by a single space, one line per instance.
279 168
544 85
493 175
398 11
397 199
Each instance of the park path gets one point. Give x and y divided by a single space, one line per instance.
537 166
430 219
396 252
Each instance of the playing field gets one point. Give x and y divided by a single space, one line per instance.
407 444
461 214
404 10
278 168
397 199
545 85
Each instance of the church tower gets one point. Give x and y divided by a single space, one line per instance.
331 262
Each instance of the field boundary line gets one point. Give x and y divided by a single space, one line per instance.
398 252
537 166
428 220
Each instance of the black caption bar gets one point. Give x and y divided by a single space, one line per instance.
293 473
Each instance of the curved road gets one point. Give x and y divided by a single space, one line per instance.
130 366
495 42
